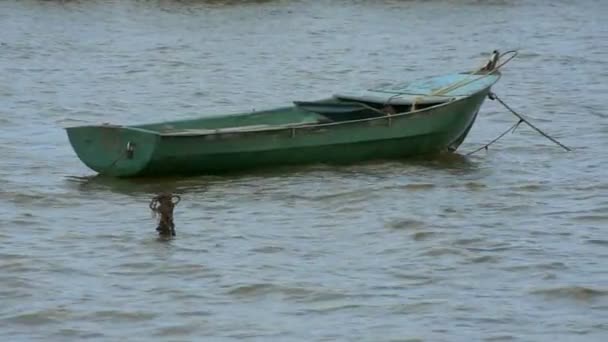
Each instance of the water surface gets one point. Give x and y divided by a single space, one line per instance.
507 244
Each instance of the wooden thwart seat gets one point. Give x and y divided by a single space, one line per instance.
205 131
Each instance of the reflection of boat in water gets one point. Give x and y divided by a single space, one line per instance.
267 179
418 118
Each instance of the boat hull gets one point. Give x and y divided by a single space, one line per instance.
430 131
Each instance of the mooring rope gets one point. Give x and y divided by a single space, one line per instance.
485 147
493 96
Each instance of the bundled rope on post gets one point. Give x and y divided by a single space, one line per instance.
163 205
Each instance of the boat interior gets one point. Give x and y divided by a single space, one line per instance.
335 109
383 101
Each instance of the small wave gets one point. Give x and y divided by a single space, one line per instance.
441 251
295 293
572 292
268 249
504 3
19 266
66 122
592 218
78 334
467 241
138 265
529 55
184 269
530 187
514 207
148 268
334 308
322 296
419 236
418 186
474 186
134 71
484 259
9 256
260 289
542 266
598 242
549 232
500 338
415 307
197 313
415 280
499 248
405 224
349 196
177 63
22 198
122 316
39 317
37 198
30 319
177 330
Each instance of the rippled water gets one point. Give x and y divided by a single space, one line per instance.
508 244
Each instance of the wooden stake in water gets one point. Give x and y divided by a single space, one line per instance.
163 205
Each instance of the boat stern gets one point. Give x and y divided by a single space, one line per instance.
113 150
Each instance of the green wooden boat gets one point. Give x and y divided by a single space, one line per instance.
422 117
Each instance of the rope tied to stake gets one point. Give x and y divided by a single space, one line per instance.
162 205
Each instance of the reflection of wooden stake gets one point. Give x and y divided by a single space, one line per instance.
163 205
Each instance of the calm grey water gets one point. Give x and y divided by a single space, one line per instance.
509 244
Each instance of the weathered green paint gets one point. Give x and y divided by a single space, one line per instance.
282 136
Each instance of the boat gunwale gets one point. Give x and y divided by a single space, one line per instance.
293 127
